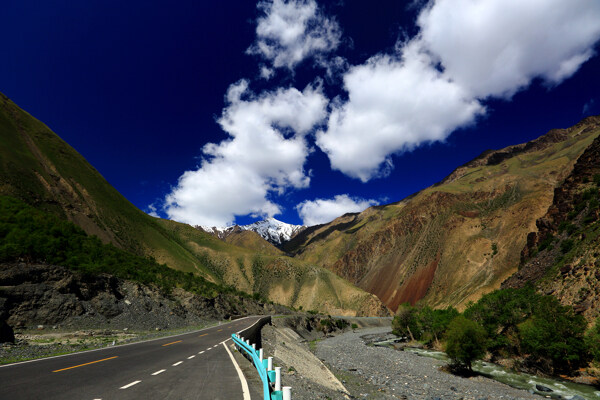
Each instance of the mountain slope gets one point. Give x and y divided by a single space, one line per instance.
39 168
563 256
456 240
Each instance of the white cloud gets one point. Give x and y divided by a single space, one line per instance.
466 51
152 211
266 73
264 155
496 47
293 30
393 105
321 211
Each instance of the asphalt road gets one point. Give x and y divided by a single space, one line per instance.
190 366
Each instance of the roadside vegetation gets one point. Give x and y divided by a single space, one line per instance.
520 324
33 236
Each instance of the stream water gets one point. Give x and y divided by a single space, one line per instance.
560 388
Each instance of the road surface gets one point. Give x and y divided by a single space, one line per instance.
190 366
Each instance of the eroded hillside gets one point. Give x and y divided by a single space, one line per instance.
457 240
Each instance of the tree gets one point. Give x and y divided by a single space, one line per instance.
465 342
406 322
554 333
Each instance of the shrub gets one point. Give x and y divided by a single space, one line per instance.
465 342
566 245
597 179
546 242
592 340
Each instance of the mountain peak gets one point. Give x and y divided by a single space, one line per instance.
271 229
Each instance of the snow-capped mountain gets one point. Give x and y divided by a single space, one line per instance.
270 229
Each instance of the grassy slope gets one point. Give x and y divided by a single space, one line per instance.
469 231
39 168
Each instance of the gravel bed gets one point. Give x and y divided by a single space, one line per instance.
383 373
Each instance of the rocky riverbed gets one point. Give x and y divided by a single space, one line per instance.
357 370
383 373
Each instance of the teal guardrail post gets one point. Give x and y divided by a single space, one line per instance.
277 395
257 364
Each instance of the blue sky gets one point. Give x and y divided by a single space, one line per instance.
219 112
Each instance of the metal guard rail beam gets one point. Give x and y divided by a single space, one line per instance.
257 363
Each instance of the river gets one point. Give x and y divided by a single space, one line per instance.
561 389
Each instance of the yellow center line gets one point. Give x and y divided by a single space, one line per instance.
168 344
219 330
203 335
81 365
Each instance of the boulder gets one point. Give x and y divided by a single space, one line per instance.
543 388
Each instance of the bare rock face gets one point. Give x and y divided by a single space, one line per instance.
32 295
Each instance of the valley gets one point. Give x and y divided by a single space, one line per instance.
77 255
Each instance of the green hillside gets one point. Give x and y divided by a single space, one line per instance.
39 168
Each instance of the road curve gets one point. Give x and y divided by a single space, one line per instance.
194 365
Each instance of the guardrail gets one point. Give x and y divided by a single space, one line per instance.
265 370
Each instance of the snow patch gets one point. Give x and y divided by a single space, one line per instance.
270 229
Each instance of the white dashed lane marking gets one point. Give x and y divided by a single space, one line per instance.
129 385
177 363
190 357
159 372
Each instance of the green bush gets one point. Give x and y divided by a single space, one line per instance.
465 342
567 245
597 179
546 242
592 340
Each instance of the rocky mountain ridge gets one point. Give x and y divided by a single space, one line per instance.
562 256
